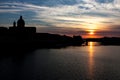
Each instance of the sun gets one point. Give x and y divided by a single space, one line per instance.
91 32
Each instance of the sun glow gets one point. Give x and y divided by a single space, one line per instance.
91 32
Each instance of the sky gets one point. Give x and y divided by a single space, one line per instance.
88 18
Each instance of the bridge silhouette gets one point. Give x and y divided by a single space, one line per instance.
104 40
92 40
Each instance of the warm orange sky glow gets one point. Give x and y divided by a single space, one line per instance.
90 34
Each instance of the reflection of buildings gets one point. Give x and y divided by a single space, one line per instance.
20 28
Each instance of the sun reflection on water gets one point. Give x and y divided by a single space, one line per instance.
91 60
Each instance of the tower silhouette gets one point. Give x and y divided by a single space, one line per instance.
20 22
14 24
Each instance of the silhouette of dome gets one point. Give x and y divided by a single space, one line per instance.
21 22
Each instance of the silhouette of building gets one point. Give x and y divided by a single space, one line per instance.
21 29
20 22
3 31
14 24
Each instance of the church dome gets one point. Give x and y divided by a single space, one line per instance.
21 22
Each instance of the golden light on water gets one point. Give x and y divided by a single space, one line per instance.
91 60
91 47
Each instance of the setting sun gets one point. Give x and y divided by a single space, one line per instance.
91 32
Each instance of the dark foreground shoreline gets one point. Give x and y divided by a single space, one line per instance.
46 40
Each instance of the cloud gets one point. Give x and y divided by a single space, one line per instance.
62 30
104 1
67 13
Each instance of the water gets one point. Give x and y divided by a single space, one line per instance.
71 63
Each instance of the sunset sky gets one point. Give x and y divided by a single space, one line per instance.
89 18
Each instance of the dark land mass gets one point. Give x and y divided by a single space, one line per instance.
27 37
17 41
110 41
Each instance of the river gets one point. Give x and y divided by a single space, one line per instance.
93 62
